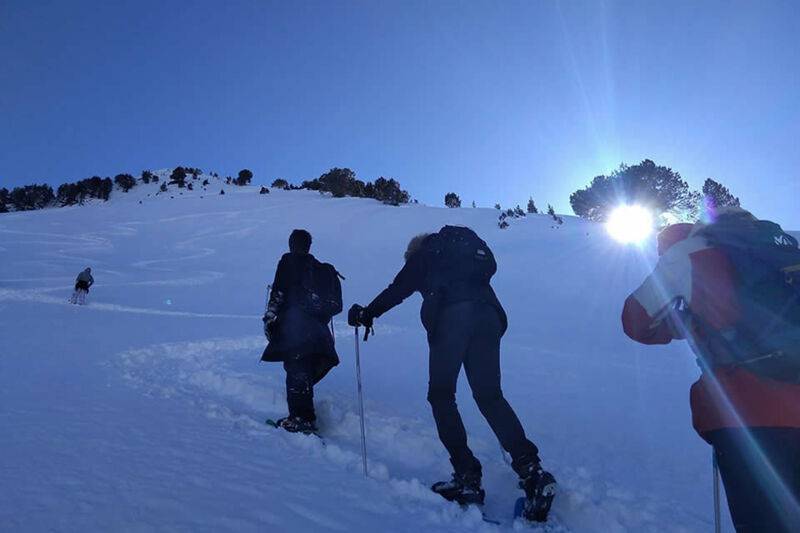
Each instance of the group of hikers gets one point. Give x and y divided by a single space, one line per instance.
729 286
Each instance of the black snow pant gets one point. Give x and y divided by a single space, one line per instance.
300 386
760 468
468 334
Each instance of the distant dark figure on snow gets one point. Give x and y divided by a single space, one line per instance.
305 296
731 288
464 320
82 285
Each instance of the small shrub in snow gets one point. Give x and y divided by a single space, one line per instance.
205 183
502 223
280 183
222 191
163 187
532 207
147 176
263 190
452 200
552 212
190 186
244 177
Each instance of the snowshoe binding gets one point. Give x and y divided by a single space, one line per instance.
540 489
462 489
294 424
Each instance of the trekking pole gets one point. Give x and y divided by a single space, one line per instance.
717 525
361 407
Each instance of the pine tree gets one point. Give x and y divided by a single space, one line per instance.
658 188
244 177
717 195
178 176
532 207
125 182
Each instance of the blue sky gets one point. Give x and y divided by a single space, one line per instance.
493 100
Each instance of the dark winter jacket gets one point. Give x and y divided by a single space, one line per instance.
297 331
417 275
85 277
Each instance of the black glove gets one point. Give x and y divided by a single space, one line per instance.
359 316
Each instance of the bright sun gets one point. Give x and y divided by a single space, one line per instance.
630 224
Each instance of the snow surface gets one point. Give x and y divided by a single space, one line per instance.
144 410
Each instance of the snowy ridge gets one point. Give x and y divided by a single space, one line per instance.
144 410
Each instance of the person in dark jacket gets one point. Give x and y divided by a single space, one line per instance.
82 284
298 335
465 322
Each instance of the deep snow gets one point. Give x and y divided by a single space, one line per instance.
144 410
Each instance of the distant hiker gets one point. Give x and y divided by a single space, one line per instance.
82 285
464 321
731 288
305 296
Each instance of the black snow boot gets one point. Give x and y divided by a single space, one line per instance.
540 489
462 489
295 424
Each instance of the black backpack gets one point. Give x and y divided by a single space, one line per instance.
323 290
461 257
766 260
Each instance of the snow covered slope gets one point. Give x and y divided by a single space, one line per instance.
144 410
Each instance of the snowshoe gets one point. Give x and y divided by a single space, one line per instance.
464 490
294 424
540 489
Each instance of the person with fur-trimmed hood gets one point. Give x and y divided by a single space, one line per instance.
731 289
464 320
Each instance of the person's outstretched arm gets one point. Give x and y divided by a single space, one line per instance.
645 310
406 282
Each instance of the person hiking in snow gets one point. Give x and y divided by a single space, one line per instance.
82 284
464 322
731 288
305 296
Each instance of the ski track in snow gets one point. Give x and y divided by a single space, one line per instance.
212 370
37 296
